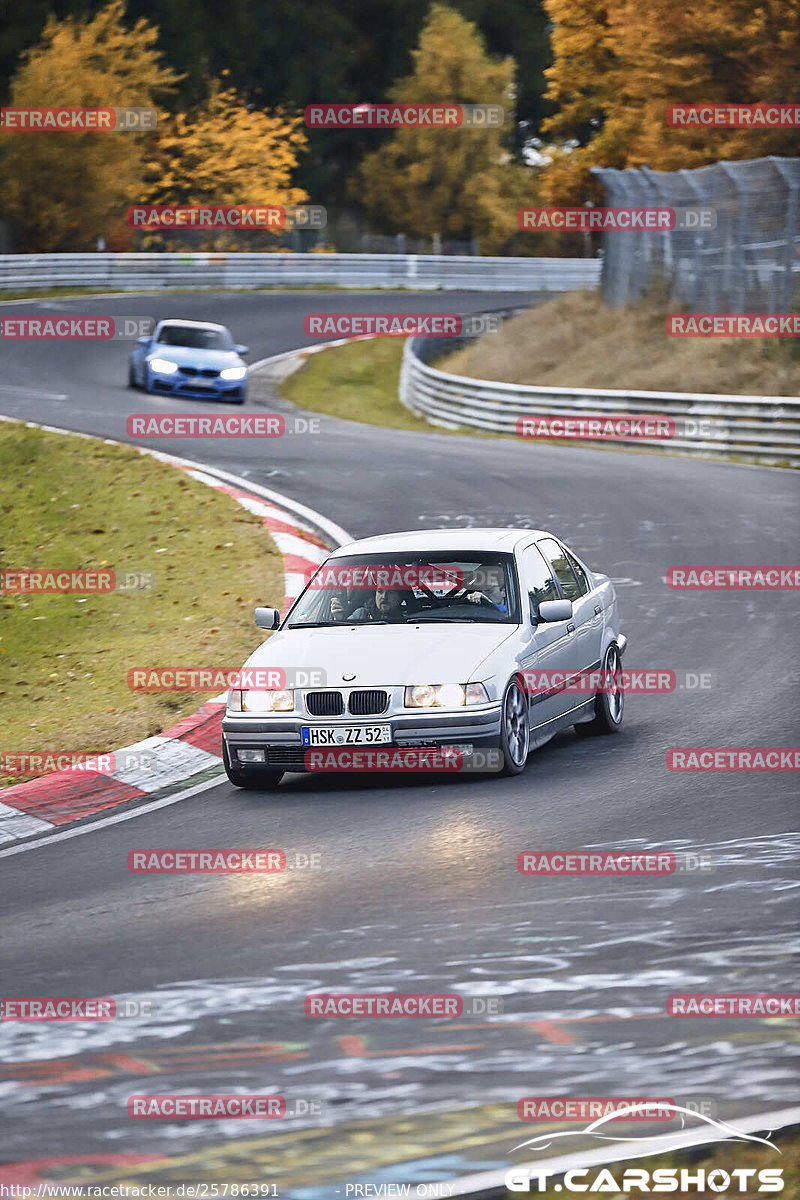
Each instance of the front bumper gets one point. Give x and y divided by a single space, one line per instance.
180 384
281 739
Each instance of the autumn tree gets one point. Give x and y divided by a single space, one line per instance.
457 182
64 189
619 64
225 152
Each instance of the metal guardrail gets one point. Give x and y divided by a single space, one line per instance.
758 429
157 272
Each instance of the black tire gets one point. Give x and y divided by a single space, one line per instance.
253 781
515 736
608 706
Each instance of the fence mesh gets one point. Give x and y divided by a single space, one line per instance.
750 260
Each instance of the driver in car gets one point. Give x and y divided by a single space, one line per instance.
494 591
390 604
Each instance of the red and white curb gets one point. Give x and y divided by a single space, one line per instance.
193 745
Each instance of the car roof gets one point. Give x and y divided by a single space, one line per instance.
450 540
194 324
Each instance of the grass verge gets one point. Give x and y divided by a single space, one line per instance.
576 341
74 502
357 381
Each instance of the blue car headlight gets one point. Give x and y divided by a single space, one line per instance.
164 366
233 373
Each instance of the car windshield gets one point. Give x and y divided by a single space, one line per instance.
386 589
195 338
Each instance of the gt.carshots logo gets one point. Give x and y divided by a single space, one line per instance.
733 579
329 1004
396 324
78 120
733 758
621 1179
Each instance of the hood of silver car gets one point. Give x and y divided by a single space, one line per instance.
385 655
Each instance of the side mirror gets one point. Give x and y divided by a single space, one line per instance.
143 341
267 618
555 610
242 350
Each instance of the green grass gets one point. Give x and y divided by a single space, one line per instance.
74 502
357 381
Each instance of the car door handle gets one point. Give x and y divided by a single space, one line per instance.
570 629
598 608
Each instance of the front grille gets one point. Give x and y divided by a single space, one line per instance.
189 370
209 374
325 704
368 703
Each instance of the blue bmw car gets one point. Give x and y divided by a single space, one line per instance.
190 358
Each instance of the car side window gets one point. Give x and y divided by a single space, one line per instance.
572 585
580 574
538 579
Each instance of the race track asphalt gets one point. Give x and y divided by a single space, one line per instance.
418 889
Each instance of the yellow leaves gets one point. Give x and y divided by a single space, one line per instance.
226 153
66 189
618 64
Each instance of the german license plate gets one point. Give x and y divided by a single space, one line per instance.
346 735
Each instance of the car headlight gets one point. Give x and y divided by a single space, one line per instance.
444 695
259 702
164 366
233 373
